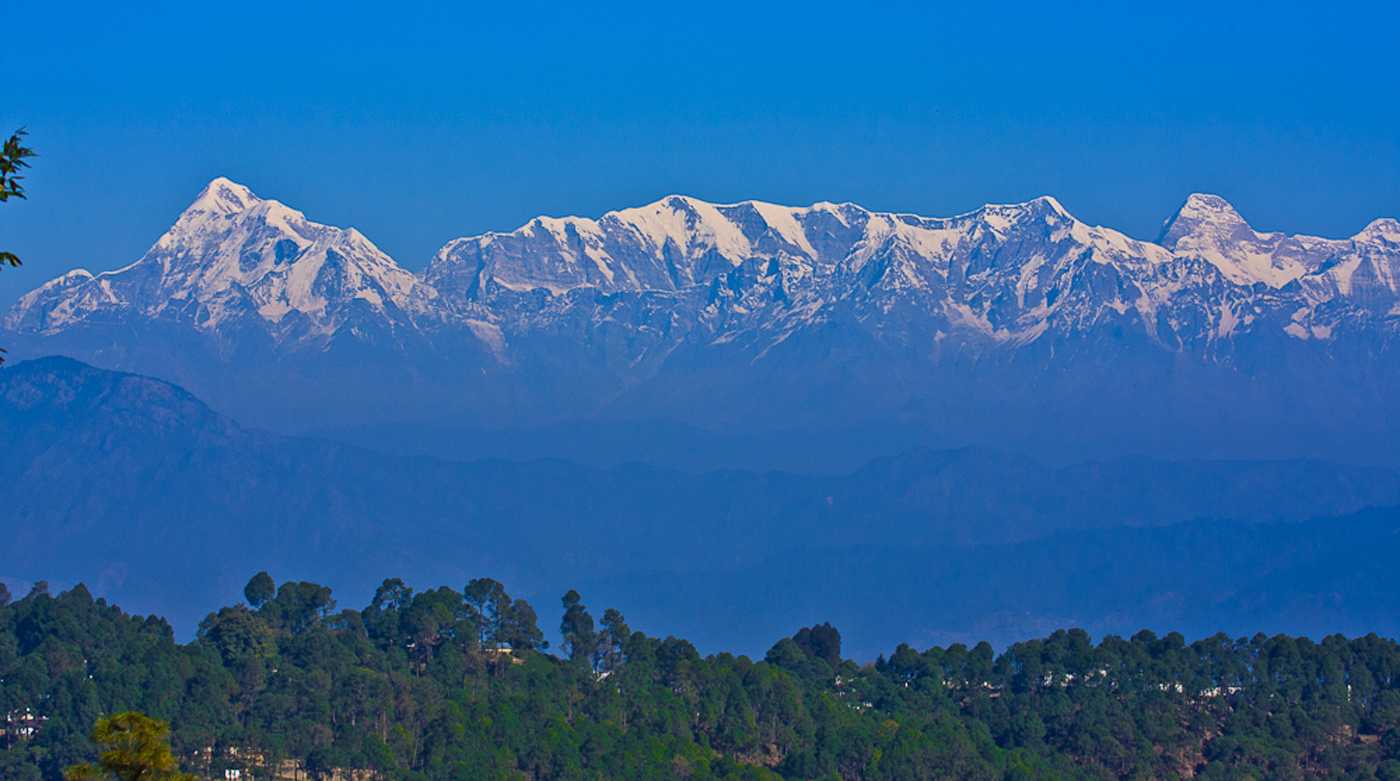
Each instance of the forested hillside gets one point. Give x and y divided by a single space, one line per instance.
449 684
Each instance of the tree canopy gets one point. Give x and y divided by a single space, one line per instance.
450 683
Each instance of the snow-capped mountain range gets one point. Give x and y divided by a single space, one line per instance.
750 271
596 309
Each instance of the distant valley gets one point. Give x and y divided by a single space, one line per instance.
136 487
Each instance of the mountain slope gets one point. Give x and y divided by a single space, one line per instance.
1012 326
137 488
1005 275
233 260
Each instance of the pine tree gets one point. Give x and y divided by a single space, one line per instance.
137 749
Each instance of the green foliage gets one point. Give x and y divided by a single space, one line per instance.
259 590
580 641
297 607
420 685
12 159
612 643
137 748
239 635
820 642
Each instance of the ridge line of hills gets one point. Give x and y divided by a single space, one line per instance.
106 474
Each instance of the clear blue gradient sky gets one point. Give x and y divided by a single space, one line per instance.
419 123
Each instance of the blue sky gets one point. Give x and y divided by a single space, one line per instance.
419 123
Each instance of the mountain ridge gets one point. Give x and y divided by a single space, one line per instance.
106 473
685 241
1012 326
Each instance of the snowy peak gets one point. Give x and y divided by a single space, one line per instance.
1363 271
230 258
1003 272
669 245
1382 231
222 196
57 301
1044 208
1208 228
678 242
681 269
690 226
1203 213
